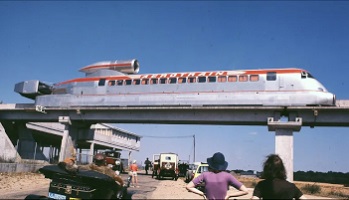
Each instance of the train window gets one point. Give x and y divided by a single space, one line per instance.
172 80
154 81
182 80
222 79
163 80
101 82
271 76
232 78
243 78
191 80
212 79
254 78
145 81
136 81
128 82
111 83
202 79
119 82
310 76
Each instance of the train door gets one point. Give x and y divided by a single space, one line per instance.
273 81
101 88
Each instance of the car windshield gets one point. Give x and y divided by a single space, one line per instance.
193 166
203 169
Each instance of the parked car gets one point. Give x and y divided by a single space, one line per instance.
168 166
80 184
203 167
190 172
195 170
183 168
113 159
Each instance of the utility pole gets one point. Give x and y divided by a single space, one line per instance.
194 148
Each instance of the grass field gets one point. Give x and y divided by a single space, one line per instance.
318 189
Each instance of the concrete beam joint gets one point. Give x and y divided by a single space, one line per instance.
293 125
64 120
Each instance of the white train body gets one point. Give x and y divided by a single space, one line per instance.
106 85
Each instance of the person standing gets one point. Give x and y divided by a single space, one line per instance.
147 165
133 171
217 180
275 185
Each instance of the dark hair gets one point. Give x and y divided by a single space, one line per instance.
274 168
210 169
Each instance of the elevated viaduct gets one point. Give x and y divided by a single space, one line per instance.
282 120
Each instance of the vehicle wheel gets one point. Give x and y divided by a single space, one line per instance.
187 177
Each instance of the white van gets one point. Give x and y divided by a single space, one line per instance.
168 166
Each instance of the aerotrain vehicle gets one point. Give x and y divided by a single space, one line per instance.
116 83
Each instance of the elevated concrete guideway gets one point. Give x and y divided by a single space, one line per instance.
221 115
273 117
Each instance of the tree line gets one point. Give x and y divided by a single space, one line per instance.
323 177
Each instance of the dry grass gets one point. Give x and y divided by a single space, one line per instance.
326 190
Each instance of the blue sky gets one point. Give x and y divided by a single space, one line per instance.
50 41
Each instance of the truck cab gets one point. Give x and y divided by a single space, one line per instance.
168 166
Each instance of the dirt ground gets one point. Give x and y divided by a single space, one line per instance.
166 189
11 182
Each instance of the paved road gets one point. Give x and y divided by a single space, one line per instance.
147 185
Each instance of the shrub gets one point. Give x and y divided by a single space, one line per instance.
338 194
312 189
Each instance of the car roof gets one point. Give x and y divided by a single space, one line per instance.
203 163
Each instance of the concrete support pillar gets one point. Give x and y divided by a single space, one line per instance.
64 145
91 153
80 156
55 154
284 148
50 154
7 150
284 141
129 159
68 140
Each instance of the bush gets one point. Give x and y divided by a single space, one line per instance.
312 189
338 194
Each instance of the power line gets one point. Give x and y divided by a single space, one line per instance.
152 136
187 136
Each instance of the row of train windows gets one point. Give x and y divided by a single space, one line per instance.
202 79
